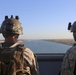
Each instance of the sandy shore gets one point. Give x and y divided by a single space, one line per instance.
63 41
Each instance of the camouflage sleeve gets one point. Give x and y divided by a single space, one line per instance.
35 69
31 58
68 63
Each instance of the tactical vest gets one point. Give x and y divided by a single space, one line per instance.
12 61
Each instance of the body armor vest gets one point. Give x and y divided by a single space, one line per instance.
12 61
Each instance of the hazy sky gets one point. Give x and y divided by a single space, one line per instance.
41 19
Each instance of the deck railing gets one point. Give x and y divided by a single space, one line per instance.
49 64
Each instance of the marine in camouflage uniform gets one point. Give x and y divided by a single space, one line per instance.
12 26
68 66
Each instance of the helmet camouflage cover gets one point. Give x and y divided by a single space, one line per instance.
73 28
11 26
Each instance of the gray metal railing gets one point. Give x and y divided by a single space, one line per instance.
49 64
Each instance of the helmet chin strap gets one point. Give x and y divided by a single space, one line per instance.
14 45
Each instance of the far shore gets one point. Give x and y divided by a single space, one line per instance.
62 41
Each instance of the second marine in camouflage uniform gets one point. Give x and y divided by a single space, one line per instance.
68 66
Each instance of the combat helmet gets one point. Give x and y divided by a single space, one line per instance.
72 27
11 26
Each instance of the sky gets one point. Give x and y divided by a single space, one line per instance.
41 19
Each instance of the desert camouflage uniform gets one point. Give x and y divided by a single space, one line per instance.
13 26
29 56
69 62
32 61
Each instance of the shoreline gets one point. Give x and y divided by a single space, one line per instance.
62 41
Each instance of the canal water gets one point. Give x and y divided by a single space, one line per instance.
40 46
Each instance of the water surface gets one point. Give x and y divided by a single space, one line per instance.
39 46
